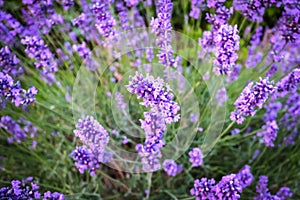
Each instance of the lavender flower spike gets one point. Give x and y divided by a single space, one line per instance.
250 98
227 43
203 188
196 157
93 135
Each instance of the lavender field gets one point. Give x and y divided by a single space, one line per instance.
149 99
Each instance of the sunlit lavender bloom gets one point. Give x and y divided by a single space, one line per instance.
234 73
244 176
82 50
250 98
9 63
252 10
221 17
229 187
85 160
196 157
105 21
38 50
12 91
289 83
214 3
203 188
93 135
155 92
163 110
227 43
125 139
197 7
161 27
53 196
221 96
171 167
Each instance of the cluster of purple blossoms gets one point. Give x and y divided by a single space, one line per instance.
10 28
163 111
67 4
250 98
12 91
85 160
19 130
27 189
227 43
197 7
9 63
86 54
244 176
289 83
269 133
252 10
105 22
171 167
196 157
263 191
289 27
161 27
120 101
221 16
229 187
203 189
254 57
40 17
38 50
93 136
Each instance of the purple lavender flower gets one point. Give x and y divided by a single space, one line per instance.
19 130
131 3
163 111
250 98
171 167
289 83
284 193
196 157
9 63
289 27
161 27
263 191
228 188
203 188
252 10
10 28
12 91
197 7
27 189
67 4
269 133
36 49
244 176
105 21
93 135
85 160
227 42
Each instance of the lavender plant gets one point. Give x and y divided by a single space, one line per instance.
163 99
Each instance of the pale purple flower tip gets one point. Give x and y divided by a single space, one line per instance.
196 157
